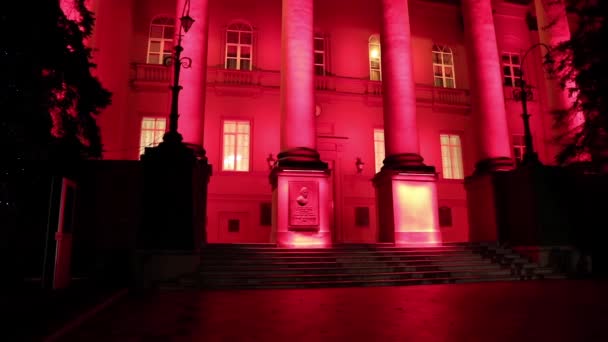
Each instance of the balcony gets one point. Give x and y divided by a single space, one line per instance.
150 75
252 82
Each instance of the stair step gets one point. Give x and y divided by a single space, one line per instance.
359 283
347 258
270 278
225 266
333 264
354 270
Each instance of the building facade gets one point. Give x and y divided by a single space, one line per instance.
356 80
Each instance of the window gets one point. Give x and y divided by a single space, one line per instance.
445 216
375 67
236 145
160 39
152 131
511 69
361 216
451 156
378 148
320 55
519 148
443 67
266 214
239 47
234 226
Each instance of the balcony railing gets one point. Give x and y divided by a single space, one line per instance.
159 75
150 73
237 77
325 83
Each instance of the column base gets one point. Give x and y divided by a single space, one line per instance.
407 207
301 208
173 149
407 162
485 166
301 157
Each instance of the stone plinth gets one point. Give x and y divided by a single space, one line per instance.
301 208
175 198
407 207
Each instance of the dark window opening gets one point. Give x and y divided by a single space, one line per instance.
234 226
361 216
445 217
265 214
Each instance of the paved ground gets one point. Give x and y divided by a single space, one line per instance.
510 311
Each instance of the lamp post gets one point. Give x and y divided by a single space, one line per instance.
172 136
523 93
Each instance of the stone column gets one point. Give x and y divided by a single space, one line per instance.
400 130
298 137
489 119
194 79
488 103
405 188
114 18
553 29
300 181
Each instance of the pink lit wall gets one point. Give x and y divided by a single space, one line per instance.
347 115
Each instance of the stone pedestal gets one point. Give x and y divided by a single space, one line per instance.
301 208
481 204
407 207
175 198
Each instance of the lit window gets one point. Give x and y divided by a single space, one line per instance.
152 131
511 69
236 145
320 55
378 148
443 67
519 148
160 39
375 58
451 156
239 47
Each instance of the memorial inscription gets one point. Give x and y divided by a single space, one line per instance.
303 204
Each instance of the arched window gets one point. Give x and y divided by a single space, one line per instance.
375 68
239 47
443 67
160 39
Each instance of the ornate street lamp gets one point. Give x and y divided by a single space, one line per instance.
172 136
524 94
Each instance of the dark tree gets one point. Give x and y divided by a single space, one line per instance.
49 99
583 61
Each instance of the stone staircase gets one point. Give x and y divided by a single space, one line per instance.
245 266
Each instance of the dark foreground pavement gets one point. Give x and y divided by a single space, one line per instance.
510 311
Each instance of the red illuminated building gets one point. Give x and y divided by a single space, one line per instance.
368 113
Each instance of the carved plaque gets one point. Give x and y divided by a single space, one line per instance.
304 204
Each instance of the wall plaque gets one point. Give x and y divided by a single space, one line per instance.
303 204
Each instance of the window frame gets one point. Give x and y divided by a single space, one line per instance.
156 118
223 147
239 27
323 38
514 79
460 162
442 51
162 53
378 163
374 40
